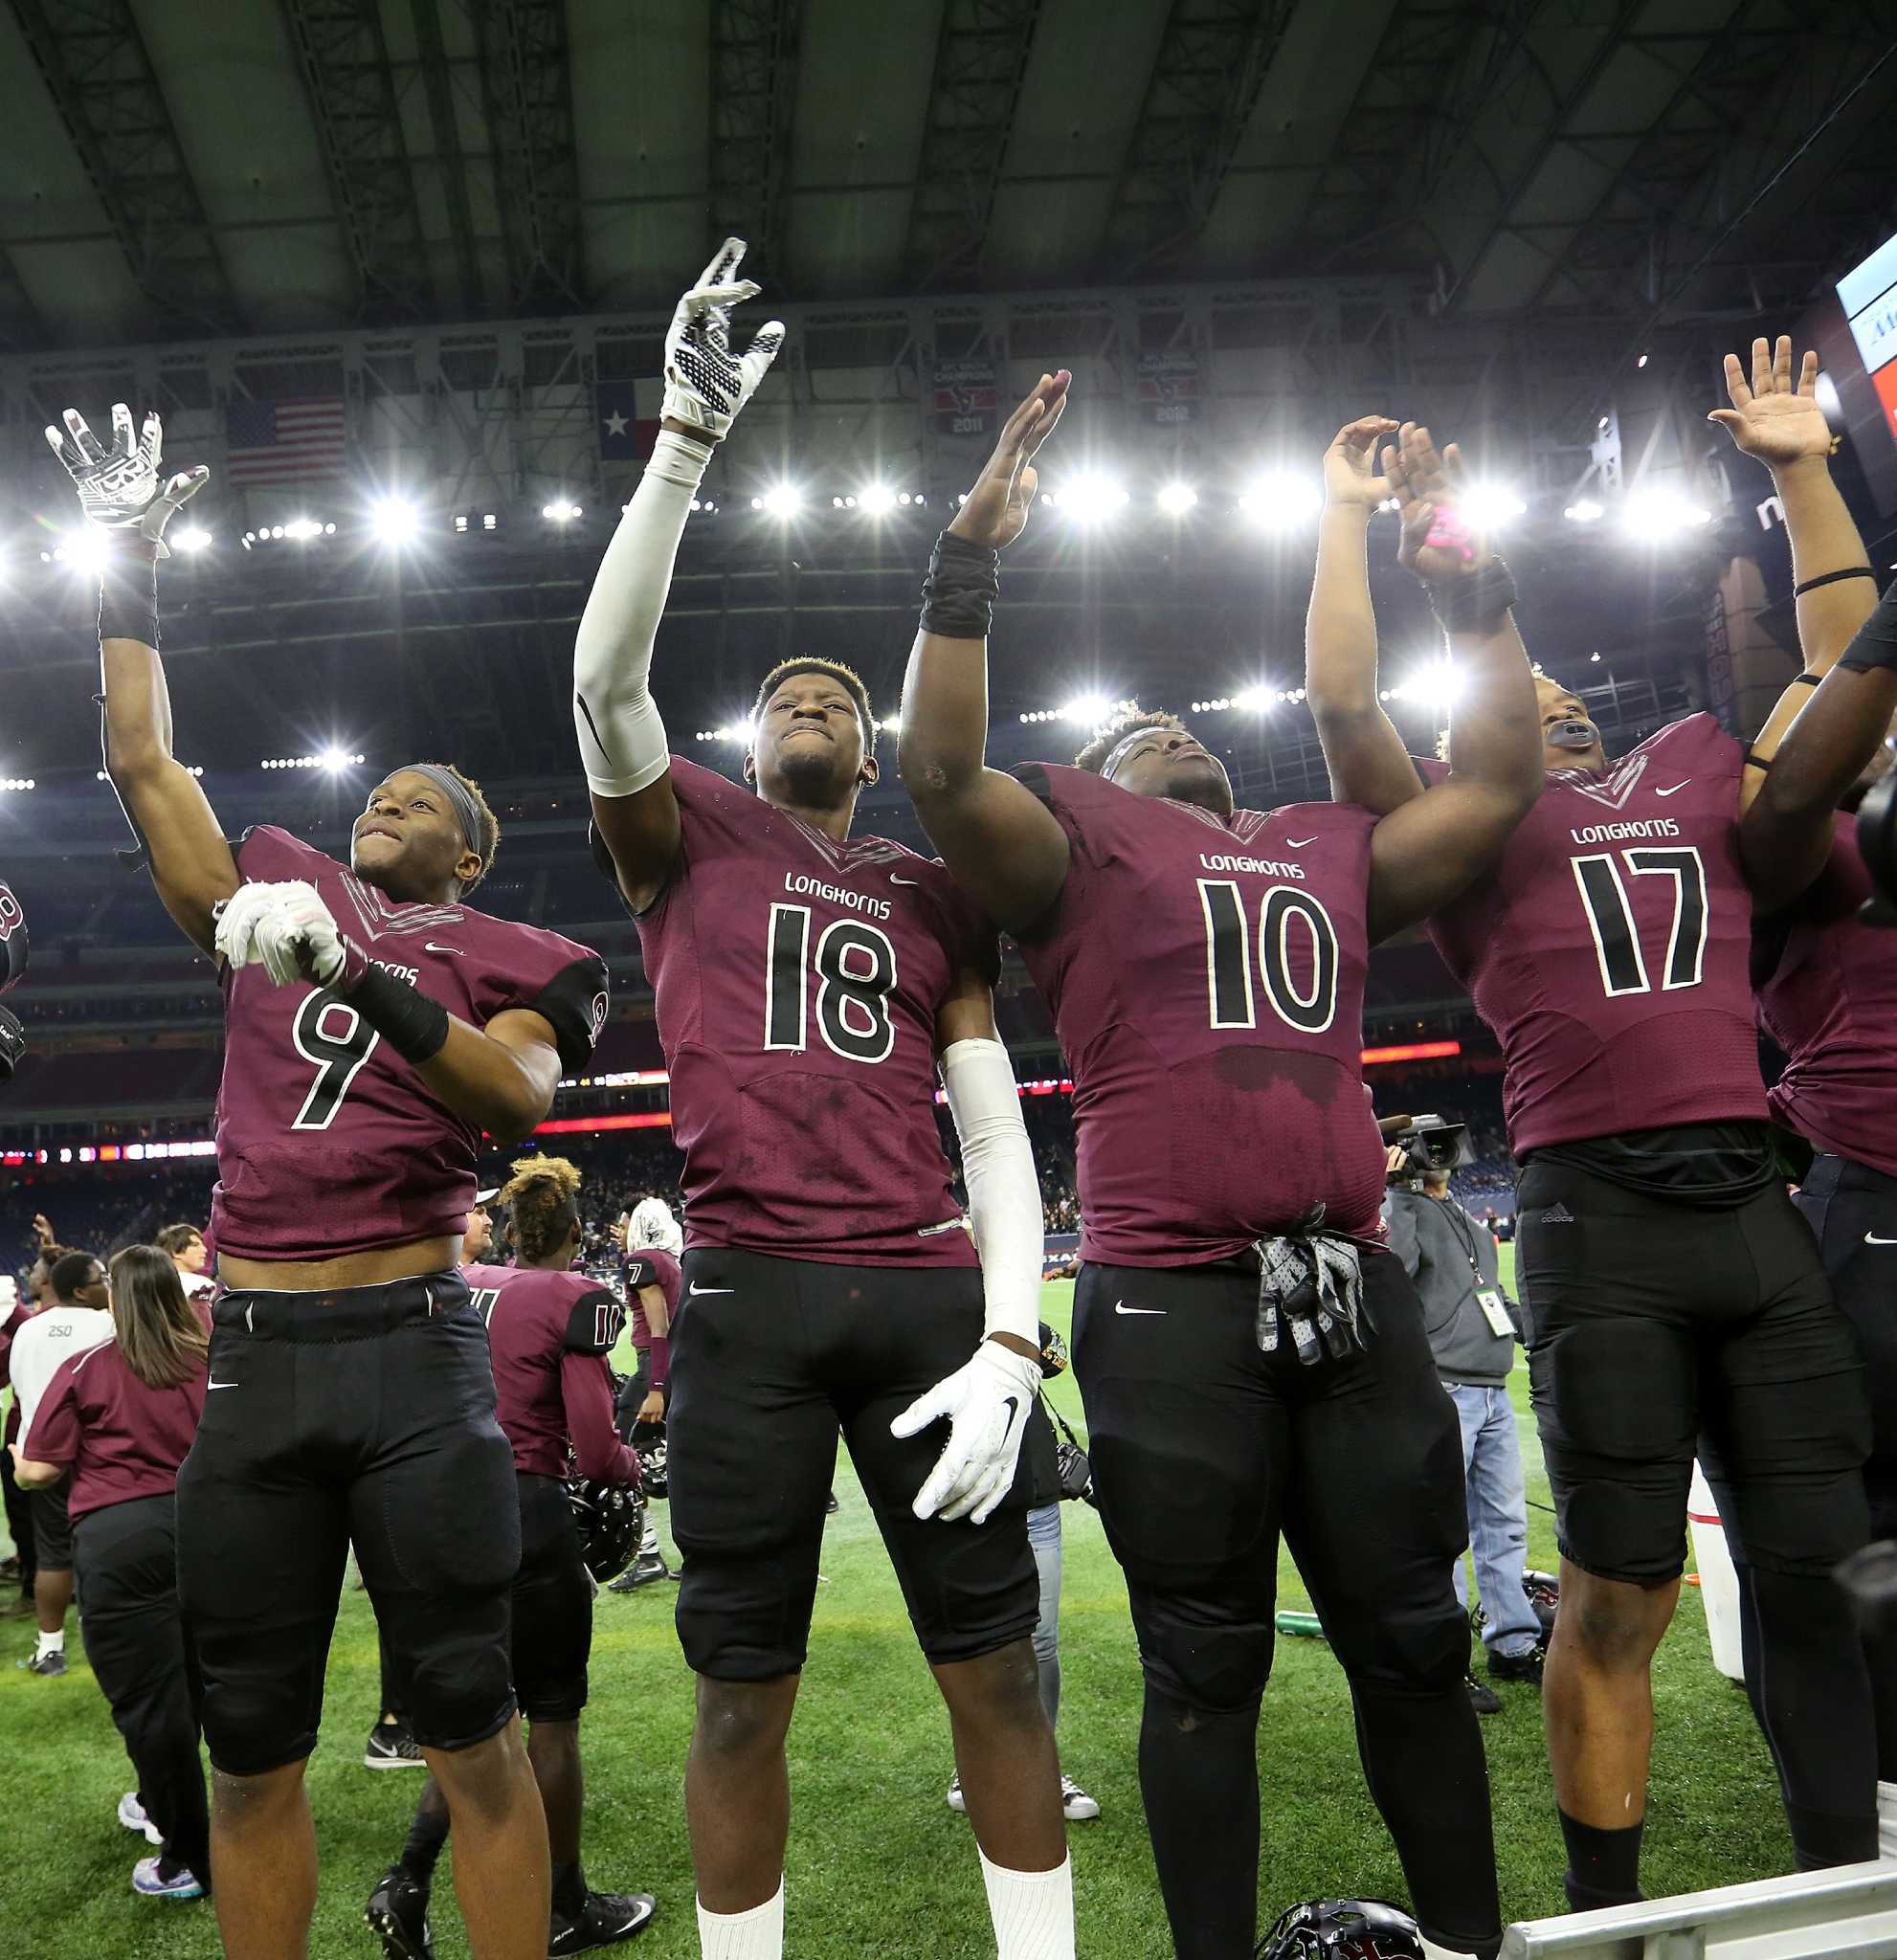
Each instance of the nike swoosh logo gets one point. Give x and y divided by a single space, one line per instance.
894 880
1676 786
1295 844
223 1385
1012 1405
1120 1306
1871 1238
698 1290
428 946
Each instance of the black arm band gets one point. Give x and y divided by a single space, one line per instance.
1476 603
128 600
415 1026
1761 763
959 594
1831 578
1875 644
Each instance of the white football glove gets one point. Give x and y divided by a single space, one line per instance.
119 488
986 1401
706 383
284 927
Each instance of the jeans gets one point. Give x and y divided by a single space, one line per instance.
1044 1536
1498 1516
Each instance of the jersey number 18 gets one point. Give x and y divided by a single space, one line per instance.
856 969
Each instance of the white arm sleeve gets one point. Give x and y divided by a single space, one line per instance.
1004 1192
622 741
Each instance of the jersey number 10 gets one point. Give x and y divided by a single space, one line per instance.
1286 913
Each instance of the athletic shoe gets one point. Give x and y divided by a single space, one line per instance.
605 1920
954 1799
158 1878
132 1814
397 1914
1076 1805
833 1507
393 1745
49 1664
1525 1667
1483 1697
647 1569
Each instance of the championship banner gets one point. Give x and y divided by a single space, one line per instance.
962 398
1167 383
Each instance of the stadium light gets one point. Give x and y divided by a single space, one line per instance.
876 499
1093 500
395 519
1281 500
193 539
561 511
781 500
17 783
299 528
1087 709
85 551
890 725
1176 499
334 760
1584 510
1259 700
1659 515
1489 507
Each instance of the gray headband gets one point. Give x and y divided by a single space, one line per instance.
467 813
1120 749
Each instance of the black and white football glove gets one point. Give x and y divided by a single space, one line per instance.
119 488
706 383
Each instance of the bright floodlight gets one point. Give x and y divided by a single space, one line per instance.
1087 709
876 499
193 538
1280 500
1176 499
1488 506
397 520
1093 500
1584 510
1255 699
560 511
781 499
333 759
1657 515
302 528
85 551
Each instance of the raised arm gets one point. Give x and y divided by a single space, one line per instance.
1433 847
1000 841
121 494
622 739
1367 758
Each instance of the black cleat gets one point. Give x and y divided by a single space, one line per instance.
1483 1697
833 1507
393 1745
605 1920
1523 1667
647 1569
397 1914
50 1664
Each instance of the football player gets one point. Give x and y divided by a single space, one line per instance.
549 1329
808 983
1253 1363
375 1025
651 1243
1674 1298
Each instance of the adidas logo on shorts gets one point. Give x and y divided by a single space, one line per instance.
1558 1214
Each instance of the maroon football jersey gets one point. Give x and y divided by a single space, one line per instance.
1207 980
122 1439
797 981
549 1334
1827 994
650 1266
327 1142
1610 948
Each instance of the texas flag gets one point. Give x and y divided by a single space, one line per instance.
623 438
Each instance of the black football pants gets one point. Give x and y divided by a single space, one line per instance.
1204 1450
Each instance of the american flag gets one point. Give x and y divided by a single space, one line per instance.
285 442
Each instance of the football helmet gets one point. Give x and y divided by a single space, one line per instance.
610 1519
648 1444
1343 1930
12 966
652 1223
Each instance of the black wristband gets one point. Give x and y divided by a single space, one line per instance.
1831 578
128 599
415 1026
1475 602
959 594
1875 644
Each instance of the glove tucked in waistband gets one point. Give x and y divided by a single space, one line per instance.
1312 1282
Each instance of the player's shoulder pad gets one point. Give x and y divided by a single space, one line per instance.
266 853
1060 786
595 1319
1697 741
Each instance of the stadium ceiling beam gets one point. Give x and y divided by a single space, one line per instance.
753 102
344 57
1206 78
438 93
981 58
96 70
20 323
527 91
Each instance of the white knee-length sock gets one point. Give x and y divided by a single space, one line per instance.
1033 1911
754 1935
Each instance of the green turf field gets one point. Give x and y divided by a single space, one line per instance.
878 1863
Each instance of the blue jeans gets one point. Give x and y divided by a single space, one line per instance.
1044 1535
1498 1516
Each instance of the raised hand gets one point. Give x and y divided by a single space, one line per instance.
706 383
118 487
1426 482
1350 464
1774 420
995 510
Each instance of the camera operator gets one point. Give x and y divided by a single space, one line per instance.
1470 1324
